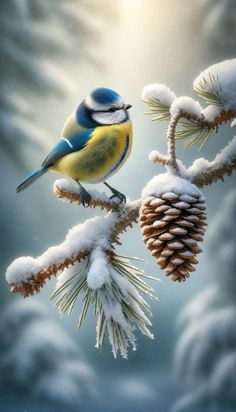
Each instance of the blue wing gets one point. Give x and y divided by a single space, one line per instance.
65 146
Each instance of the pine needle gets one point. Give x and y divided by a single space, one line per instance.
157 108
118 306
194 132
209 89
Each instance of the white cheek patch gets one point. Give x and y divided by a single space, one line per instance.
118 116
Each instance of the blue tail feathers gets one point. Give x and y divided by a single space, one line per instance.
31 178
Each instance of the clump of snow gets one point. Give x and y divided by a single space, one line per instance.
228 153
185 104
168 182
220 79
198 167
226 156
158 92
211 112
29 266
86 236
98 273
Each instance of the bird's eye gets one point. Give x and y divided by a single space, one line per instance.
112 109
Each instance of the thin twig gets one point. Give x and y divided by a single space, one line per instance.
171 141
71 196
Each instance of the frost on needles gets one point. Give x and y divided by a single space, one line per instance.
171 213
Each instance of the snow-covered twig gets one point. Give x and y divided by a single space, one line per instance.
156 157
171 141
203 172
27 275
69 190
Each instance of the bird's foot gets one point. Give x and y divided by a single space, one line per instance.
116 193
120 196
85 196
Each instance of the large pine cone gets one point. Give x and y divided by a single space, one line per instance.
172 224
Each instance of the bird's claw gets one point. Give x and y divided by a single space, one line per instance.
119 195
85 197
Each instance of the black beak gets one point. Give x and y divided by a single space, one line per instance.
128 106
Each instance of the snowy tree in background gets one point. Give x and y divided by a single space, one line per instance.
206 351
38 39
219 23
172 219
39 361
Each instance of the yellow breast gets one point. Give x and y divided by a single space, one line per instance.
103 155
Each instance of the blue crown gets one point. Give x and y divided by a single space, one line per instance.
102 95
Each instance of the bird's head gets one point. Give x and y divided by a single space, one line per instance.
106 107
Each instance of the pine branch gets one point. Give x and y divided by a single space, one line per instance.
203 172
198 129
126 219
36 281
117 302
28 275
67 190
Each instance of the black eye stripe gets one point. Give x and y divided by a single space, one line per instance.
111 110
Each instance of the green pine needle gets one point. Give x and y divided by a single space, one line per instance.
209 89
159 110
118 305
194 132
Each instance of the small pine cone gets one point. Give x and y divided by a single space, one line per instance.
172 225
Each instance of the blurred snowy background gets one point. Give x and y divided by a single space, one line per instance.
52 54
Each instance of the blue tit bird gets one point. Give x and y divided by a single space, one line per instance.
95 142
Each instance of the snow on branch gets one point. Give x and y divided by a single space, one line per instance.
203 172
27 275
157 157
159 98
108 282
69 190
215 86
